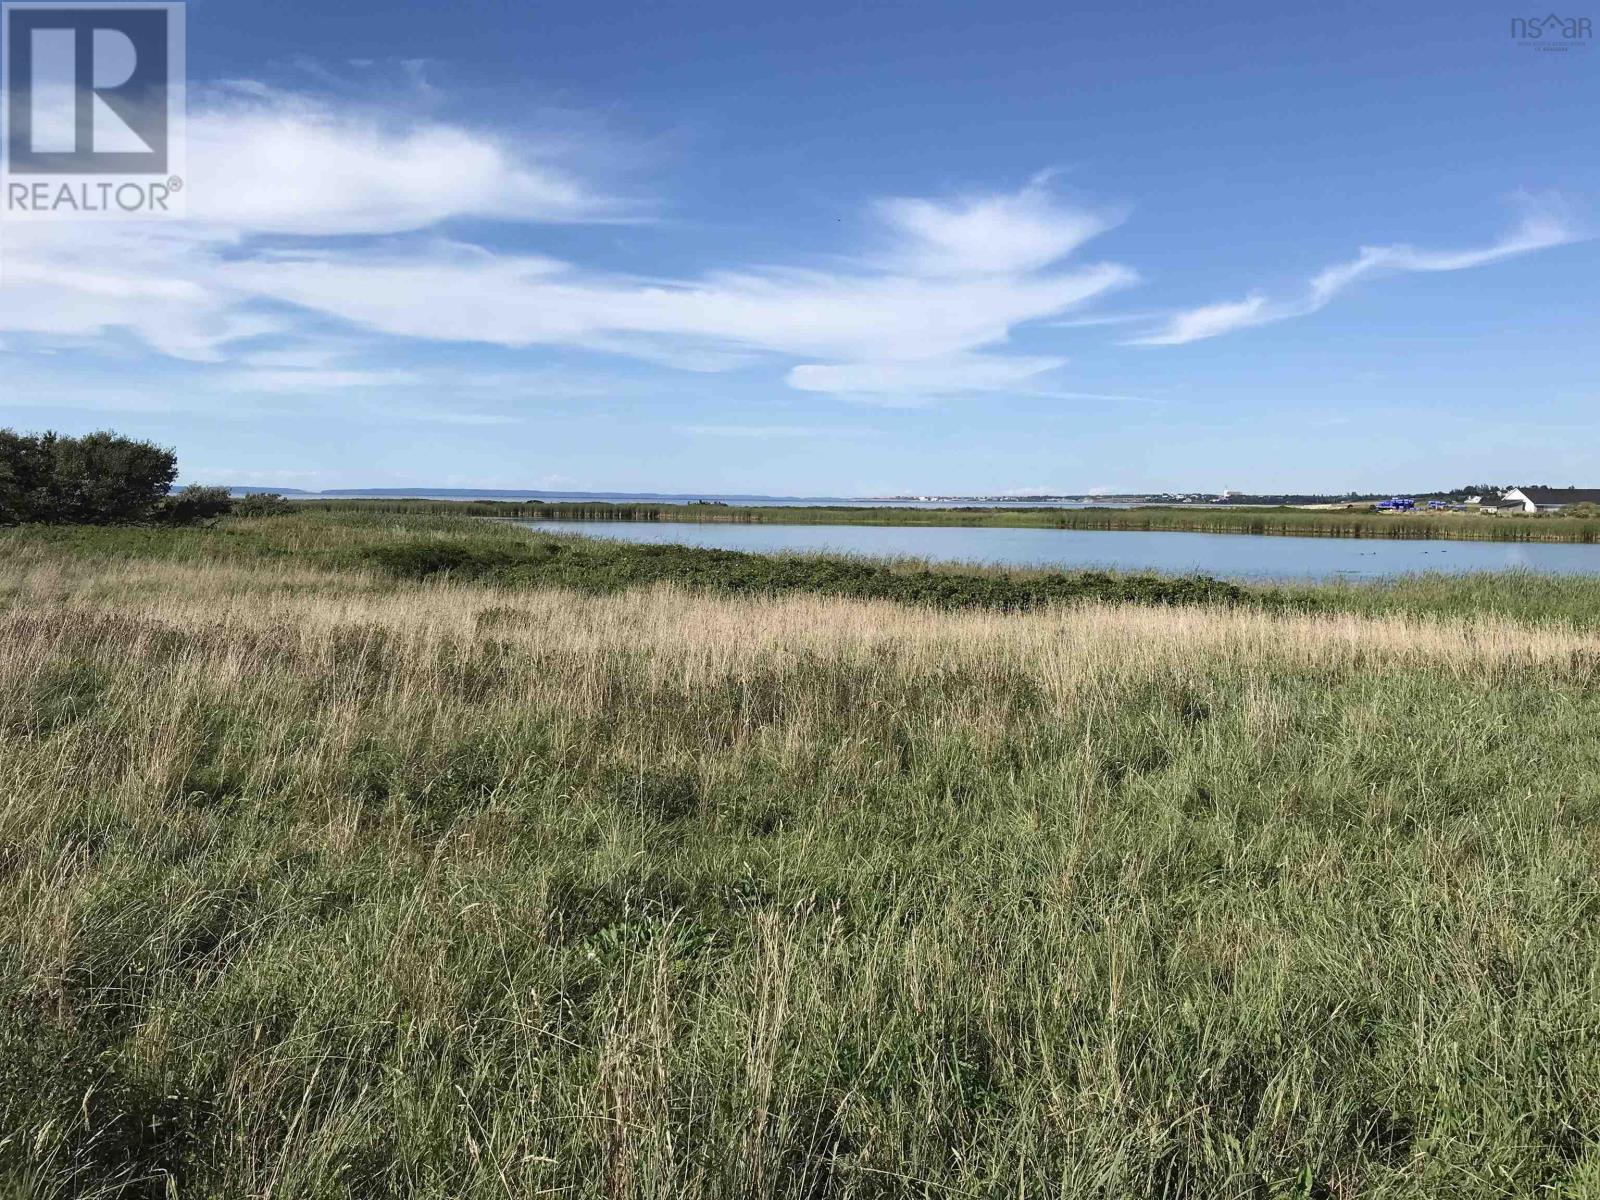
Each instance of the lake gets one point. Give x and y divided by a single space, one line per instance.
1230 555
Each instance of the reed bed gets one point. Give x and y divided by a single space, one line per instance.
1282 521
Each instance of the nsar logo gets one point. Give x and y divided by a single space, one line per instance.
1552 32
93 122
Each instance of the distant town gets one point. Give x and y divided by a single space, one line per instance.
1482 498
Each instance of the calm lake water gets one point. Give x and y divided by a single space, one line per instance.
1231 555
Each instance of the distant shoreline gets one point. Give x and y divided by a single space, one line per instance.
1160 499
1284 521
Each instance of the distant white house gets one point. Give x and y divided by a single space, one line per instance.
1543 500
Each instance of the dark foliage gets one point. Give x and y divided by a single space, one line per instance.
607 567
194 505
98 479
261 504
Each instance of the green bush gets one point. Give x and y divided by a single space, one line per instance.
596 566
261 504
422 558
193 505
98 479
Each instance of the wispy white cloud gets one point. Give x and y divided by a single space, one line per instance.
927 311
940 376
449 291
1544 224
1094 320
314 219
267 161
79 280
1213 319
1004 234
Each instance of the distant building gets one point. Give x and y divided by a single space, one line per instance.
1544 500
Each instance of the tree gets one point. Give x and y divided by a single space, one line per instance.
25 474
104 479
99 479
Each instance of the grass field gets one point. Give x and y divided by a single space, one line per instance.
364 856
1282 521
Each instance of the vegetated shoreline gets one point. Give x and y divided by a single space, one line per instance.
1279 522
447 546
361 854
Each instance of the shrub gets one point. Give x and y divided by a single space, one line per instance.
422 558
595 566
26 472
261 504
99 479
193 505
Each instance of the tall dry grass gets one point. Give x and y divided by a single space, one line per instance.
315 884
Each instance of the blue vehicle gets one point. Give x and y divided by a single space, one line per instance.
1395 504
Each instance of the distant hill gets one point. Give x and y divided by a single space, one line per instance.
423 493
531 493
250 489
426 493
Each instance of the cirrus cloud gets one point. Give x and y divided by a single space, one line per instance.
305 214
1544 224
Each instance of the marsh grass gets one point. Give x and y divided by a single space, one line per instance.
416 545
1285 520
320 882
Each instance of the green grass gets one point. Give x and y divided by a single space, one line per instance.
1280 521
1570 600
413 544
325 872
593 566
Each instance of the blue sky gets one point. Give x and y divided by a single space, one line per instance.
846 249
